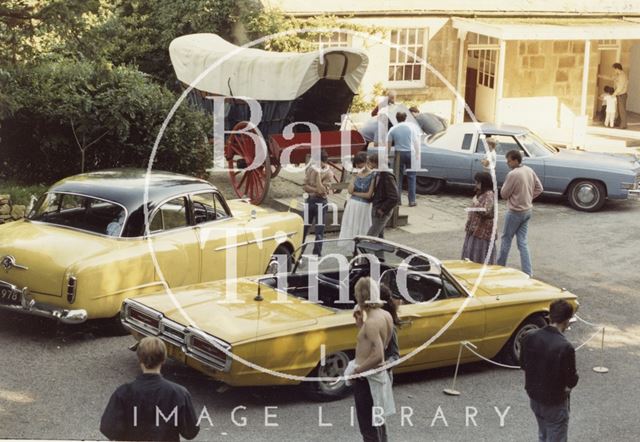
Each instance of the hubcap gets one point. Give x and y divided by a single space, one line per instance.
586 195
334 367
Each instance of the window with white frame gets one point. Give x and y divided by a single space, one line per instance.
406 54
487 67
608 44
333 40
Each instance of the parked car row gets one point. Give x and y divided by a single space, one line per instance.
166 255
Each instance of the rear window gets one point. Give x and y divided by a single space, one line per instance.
80 212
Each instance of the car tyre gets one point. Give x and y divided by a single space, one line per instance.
429 186
510 353
334 366
587 195
280 250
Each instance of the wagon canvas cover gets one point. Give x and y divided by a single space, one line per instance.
259 74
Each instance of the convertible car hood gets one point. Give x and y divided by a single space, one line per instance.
47 251
498 280
600 161
205 307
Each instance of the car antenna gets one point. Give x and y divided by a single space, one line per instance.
259 296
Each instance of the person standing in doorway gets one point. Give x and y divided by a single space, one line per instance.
520 188
621 83
404 137
385 198
317 186
151 407
610 104
549 364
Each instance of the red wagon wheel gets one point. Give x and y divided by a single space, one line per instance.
240 152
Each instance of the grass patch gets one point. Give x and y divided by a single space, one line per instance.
21 194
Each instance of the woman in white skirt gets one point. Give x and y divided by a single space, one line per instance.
356 218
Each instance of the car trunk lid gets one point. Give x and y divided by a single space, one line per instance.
47 252
236 318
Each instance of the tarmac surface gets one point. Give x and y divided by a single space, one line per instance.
55 380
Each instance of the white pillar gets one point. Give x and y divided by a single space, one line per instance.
585 77
502 54
460 110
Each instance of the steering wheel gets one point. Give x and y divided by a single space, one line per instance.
199 212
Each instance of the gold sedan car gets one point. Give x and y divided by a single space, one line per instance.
281 329
86 245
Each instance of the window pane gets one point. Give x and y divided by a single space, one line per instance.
203 207
391 71
416 72
412 37
174 214
393 56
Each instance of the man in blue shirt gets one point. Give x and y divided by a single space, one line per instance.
405 138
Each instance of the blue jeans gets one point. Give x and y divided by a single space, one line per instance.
405 163
316 211
553 421
516 224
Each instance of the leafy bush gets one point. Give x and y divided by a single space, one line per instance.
71 116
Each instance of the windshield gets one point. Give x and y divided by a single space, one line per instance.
80 212
535 145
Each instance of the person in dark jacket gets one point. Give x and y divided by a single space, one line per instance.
150 408
549 364
385 198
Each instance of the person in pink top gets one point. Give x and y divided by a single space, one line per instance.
520 188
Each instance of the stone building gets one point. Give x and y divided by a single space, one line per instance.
538 63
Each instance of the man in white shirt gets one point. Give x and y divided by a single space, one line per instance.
621 82
405 138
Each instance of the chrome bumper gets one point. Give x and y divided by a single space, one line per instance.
30 306
634 194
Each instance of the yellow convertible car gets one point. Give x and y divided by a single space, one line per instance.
290 326
87 245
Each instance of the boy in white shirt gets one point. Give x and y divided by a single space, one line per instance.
611 103
489 161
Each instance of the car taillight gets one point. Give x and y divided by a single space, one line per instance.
71 289
147 320
207 348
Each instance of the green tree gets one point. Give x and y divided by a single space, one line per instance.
80 115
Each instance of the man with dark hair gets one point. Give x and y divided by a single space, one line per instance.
621 83
385 198
520 188
151 407
406 140
549 364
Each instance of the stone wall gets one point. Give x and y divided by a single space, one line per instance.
551 69
10 212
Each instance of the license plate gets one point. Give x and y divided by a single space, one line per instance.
9 295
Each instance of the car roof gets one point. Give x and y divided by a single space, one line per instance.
494 129
127 186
